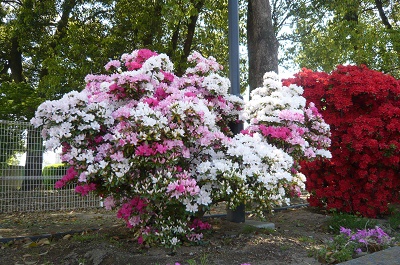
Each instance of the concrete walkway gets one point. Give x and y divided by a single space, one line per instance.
390 256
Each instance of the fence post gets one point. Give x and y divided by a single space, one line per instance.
237 215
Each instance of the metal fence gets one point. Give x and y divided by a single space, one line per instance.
24 185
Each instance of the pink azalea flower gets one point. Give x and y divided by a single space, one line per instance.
168 76
109 203
59 184
144 54
112 65
133 65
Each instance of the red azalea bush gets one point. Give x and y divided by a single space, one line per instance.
362 106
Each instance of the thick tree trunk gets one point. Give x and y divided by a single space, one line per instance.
34 155
34 160
262 44
15 61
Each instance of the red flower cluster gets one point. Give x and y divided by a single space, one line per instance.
362 107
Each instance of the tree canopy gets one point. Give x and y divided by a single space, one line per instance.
329 33
49 46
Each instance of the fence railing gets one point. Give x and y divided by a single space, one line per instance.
22 185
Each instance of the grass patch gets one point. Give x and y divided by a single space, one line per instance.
307 239
394 220
202 261
249 229
85 237
351 221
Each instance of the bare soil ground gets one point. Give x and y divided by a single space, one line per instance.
98 237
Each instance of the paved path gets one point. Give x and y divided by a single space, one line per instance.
390 256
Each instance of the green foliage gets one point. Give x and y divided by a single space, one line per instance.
337 250
54 170
16 172
11 142
13 171
394 217
84 237
203 260
350 221
249 229
394 220
349 244
64 40
329 33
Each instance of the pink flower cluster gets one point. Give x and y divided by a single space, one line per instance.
70 175
298 129
288 115
112 65
109 203
85 189
132 210
184 185
275 132
198 224
135 63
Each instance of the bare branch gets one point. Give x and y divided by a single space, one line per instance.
12 2
382 14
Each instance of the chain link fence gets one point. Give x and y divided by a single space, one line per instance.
28 174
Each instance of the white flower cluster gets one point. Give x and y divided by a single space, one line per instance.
269 100
59 116
281 115
217 84
248 166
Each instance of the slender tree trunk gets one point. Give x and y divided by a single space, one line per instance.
262 44
154 33
191 27
394 34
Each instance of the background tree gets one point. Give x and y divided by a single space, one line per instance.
49 46
262 44
328 33
269 24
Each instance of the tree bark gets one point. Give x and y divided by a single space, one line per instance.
34 149
15 61
382 14
191 27
61 31
34 155
34 160
262 44
154 26
394 34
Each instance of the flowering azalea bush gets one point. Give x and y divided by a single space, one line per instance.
368 240
349 244
279 115
158 148
362 107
